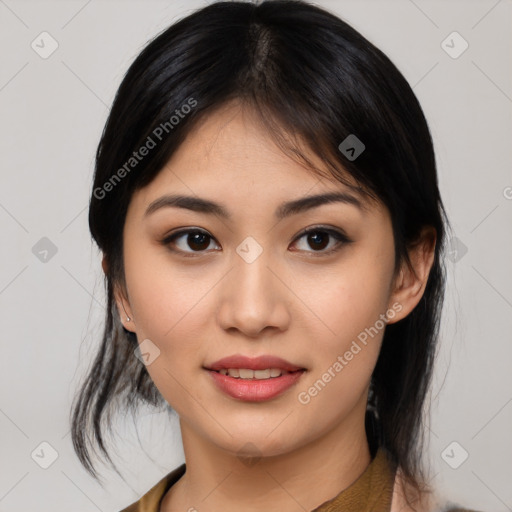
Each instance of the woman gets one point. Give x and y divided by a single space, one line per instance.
266 201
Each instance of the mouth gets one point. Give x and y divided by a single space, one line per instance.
266 363
248 374
254 379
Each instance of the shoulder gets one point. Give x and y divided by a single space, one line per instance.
452 507
150 501
426 503
455 508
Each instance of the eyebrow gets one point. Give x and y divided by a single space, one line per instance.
198 204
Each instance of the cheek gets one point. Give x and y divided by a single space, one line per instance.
346 300
347 303
173 308
348 346
170 310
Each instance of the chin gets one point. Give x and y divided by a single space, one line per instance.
250 443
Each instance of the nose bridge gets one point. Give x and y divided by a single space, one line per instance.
252 299
251 271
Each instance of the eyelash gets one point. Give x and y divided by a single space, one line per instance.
341 238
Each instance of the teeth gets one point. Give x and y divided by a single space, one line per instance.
245 373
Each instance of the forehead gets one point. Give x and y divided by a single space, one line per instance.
231 144
231 156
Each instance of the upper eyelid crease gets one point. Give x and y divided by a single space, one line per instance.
287 209
339 235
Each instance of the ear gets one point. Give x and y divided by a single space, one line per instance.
409 285
104 264
122 303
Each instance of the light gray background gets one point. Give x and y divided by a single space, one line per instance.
52 113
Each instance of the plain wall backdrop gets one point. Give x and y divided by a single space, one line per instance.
61 63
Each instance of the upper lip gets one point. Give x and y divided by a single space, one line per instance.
253 363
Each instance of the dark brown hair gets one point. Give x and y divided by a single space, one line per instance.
311 77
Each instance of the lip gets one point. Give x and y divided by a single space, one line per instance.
253 363
257 390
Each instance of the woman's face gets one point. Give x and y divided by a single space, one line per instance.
252 284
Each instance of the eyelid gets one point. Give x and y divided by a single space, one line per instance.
337 233
167 239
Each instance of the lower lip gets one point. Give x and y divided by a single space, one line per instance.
255 390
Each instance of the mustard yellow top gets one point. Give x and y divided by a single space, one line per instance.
371 492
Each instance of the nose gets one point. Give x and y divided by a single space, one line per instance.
253 297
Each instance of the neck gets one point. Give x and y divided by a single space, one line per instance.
298 480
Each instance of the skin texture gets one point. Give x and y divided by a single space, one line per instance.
295 301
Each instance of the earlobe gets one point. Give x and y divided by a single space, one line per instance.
410 283
104 265
124 310
128 319
122 304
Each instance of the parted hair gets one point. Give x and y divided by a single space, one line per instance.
313 80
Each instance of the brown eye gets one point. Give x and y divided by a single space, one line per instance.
319 238
198 241
189 241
